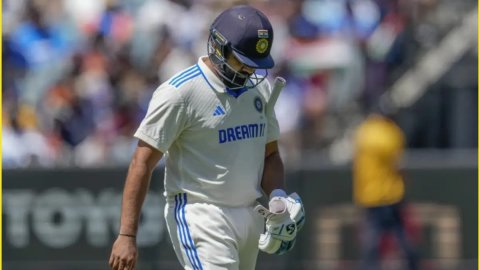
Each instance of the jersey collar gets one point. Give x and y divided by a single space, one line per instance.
210 77
215 83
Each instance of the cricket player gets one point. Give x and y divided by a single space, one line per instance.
214 122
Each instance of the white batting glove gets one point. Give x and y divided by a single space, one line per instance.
285 217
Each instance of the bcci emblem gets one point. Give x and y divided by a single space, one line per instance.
262 45
258 104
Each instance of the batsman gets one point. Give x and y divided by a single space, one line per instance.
215 124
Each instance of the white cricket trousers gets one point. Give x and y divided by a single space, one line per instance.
211 237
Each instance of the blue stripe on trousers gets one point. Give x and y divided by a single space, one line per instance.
180 228
188 233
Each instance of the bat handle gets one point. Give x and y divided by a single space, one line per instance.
280 80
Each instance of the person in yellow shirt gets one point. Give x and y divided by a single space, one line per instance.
379 187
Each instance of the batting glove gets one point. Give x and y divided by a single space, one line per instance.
281 227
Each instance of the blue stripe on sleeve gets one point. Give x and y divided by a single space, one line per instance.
183 80
183 74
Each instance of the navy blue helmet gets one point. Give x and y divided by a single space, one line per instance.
246 33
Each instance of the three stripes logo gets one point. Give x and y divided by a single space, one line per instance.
219 111
185 76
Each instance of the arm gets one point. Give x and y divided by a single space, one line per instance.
273 174
285 215
140 171
124 251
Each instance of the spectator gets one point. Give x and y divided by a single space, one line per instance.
101 59
379 186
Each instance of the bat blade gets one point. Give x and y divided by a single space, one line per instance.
278 85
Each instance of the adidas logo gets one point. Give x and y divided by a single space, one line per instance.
218 111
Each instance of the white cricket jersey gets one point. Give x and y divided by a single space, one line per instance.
214 143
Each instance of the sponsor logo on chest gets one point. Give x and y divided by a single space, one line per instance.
241 132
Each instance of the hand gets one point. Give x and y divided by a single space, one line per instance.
281 232
296 210
271 245
124 254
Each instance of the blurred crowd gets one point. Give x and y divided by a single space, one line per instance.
78 74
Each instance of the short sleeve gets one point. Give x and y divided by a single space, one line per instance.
165 119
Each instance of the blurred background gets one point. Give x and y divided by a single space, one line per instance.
78 76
